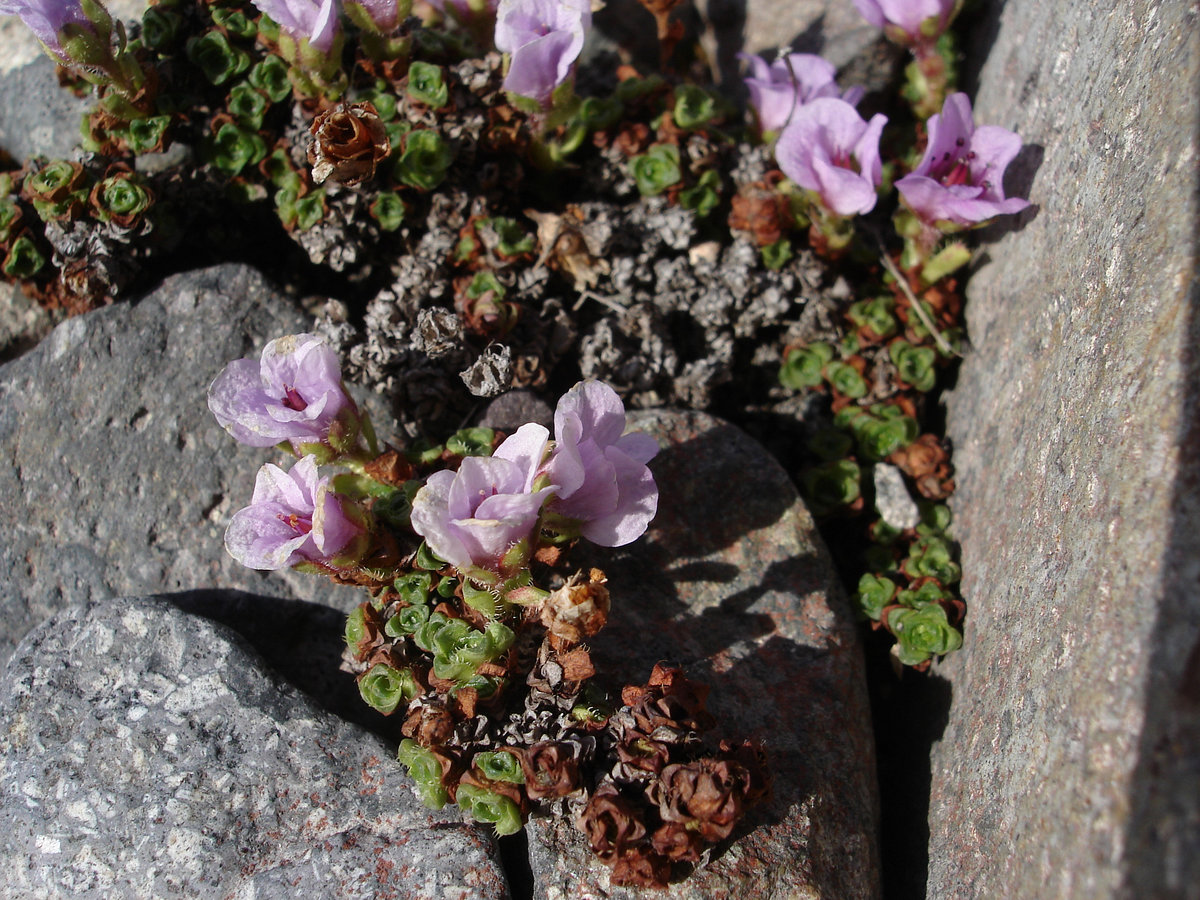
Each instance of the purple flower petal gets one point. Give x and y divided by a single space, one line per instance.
471 517
600 473
908 16
294 392
292 517
830 150
961 176
46 18
636 509
543 39
313 20
525 449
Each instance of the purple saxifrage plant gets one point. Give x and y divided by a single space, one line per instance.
960 180
47 19
294 393
315 21
776 90
543 39
605 490
480 519
910 22
828 149
293 517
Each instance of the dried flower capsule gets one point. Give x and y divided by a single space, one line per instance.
579 608
348 142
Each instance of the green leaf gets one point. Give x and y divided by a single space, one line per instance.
425 770
388 210
832 486
355 627
216 57
414 587
874 593
234 21
426 158
427 84
160 27
776 255
248 105
488 808
24 260
876 315
234 148
846 380
471 441
143 135
407 621
704 197
803 366
385 688
922 633
499 765
694 107
656 170
270 76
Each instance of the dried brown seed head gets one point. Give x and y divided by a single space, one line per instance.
349 140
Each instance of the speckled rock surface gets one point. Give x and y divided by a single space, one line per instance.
124 479
37 117
147 753
732 582
1070 764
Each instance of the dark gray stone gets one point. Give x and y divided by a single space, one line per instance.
37 117
147 753
124 480
732 582
1070 764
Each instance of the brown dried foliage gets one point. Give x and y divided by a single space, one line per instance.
349 140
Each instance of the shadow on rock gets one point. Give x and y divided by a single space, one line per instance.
301 641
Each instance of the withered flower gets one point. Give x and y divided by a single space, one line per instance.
639 868
611 823
761 211
349 140
676 842
551 769
707 795
579 608
927 463
430 724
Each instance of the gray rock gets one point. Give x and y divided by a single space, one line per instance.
894 503
732 582
1070 764
124 480
22 322
148 753
37 117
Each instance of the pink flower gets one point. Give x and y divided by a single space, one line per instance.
798 78
385 15
292 517
46 19
543 39
314 20
960 181
473 517
830 150
910 21
292 393
600 474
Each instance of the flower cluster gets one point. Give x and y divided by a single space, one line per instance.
437 645
592 480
